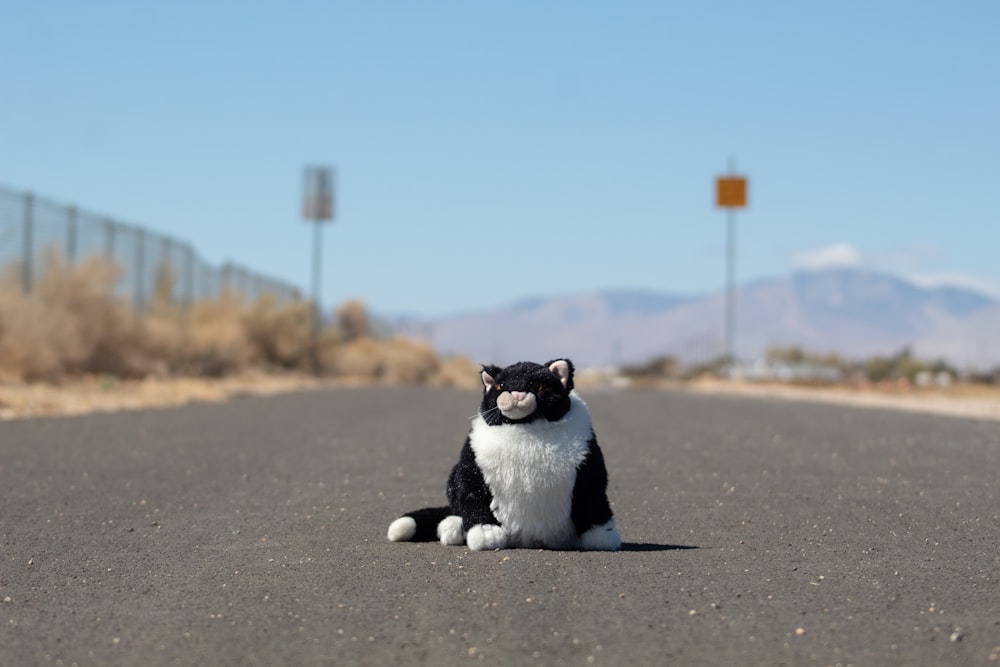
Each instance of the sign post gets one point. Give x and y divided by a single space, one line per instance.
317 207
731 194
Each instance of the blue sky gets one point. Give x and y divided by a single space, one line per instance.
489 151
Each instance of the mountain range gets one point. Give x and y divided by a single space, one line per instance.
853 312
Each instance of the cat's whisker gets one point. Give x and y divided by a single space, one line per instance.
483 414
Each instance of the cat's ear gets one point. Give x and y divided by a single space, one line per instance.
489 376
564 369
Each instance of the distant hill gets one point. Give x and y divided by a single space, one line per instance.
972 342
853 312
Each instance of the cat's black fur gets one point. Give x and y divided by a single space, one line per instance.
530 472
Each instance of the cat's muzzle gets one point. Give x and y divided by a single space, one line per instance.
516 404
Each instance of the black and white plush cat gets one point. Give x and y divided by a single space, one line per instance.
530 473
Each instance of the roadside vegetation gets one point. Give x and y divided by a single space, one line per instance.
73 324
794 365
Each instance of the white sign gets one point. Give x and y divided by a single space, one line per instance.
317 200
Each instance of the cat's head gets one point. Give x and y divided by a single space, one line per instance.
525 392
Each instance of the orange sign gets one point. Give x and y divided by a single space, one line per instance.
731 192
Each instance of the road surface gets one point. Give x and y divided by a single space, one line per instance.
253 533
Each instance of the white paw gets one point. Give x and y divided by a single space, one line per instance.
402 529
601 538
450 530
486 536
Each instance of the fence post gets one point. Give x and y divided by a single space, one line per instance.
71 214
166 267
250 285
188 276
202 286
140 269
244 279
27 267
109 240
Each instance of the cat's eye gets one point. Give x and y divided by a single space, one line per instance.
541 388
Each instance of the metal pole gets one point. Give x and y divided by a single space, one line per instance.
71 215
731 277
317 207
167 271
730 286
109 240
188 252
317 264
139 295
26 266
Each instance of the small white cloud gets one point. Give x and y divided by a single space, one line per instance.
908 258
900 262
836 255
987 287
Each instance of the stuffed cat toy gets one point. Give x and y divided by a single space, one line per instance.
530 473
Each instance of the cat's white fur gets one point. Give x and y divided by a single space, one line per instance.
402 529
602 538
450 530
531 469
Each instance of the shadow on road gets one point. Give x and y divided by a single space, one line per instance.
635 546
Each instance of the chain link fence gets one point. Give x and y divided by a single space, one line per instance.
31 226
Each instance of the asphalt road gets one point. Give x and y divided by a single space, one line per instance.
253 533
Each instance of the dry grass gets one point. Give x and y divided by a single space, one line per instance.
87 394
72 325
975 401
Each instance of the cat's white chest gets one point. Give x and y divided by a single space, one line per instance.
531 470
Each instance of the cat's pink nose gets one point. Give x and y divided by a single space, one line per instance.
519 396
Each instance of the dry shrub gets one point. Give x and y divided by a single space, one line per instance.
206 339
165 343
70 323
165 330
392 361
222 335
353 321
24 353
357 360
100 335
457 371
218 340
281 334
360 355
407 362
